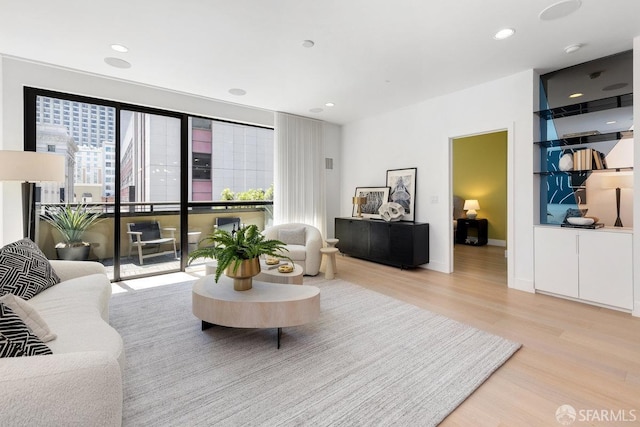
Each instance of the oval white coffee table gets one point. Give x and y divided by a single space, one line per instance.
265 305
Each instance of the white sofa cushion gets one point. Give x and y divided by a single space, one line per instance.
296 252
292 236
29 316
77 310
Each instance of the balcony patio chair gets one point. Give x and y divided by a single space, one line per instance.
148 235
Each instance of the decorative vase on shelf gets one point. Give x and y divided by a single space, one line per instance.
243 275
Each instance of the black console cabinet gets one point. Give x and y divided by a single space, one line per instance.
402 244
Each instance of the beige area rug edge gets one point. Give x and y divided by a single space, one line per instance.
370 359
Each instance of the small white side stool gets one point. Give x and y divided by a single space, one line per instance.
331 243
330 264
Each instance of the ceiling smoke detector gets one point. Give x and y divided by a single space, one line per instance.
117 62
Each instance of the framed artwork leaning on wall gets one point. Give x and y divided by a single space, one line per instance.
376 196
402 183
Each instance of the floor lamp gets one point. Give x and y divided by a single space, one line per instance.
617 181
30 167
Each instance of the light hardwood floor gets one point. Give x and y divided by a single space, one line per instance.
572 353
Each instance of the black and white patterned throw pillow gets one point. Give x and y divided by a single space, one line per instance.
24 270
16 338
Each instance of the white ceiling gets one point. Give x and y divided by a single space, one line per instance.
370 56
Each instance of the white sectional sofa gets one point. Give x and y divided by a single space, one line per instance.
81 382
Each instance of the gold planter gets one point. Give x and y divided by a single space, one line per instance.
242 276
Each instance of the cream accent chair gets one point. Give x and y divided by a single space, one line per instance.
303 242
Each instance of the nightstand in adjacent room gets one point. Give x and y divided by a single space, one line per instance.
472 231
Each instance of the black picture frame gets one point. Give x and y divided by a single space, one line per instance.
402 184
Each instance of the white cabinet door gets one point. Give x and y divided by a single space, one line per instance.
556 261
606 268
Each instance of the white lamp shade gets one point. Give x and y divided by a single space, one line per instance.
617 180
471 205
31 166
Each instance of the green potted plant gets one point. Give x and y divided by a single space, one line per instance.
72 224
237 254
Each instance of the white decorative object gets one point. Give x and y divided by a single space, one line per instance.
391 211
579 220
566 162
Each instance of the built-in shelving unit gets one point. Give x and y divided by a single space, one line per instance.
587 139
583 148
625 100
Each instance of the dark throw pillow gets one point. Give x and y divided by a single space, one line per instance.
24 270
16 338
10 348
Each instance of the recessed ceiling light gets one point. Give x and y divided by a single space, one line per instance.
559 10
505 33
308 43
119 48
237 92
316 110
573 48
117 62
330 104
576 95
611 122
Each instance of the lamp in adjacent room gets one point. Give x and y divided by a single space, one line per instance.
30 167
471 206
359 201
617 181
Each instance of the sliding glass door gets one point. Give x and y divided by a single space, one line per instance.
149 193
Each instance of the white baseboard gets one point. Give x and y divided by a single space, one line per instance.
436 266
495 242
523 285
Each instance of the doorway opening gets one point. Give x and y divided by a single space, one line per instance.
480 206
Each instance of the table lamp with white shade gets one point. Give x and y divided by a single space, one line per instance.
617 181
30 167
471 206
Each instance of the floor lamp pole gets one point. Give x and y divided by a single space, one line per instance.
28 217
618 220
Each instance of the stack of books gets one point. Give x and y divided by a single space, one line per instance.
588 159
596 225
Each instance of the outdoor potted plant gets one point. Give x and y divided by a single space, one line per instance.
238 254
72 224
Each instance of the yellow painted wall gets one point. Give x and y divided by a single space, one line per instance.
480 172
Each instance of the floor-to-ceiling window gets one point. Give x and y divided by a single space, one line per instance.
139 165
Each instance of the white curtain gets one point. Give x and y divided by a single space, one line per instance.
299 172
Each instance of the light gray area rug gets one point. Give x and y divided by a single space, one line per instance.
369 360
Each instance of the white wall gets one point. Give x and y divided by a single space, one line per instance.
636 178
332 147
15 74
419 136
